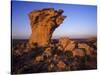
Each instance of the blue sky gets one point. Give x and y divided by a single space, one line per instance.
81 21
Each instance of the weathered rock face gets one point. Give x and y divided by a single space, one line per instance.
43 23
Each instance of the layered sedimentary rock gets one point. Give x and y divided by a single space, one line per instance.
43 22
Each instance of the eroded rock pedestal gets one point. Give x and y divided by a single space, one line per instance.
43 23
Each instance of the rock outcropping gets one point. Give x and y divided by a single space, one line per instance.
43 22
41 54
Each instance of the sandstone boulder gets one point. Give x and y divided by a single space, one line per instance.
87 48
64 41
66 44
70 46
78 52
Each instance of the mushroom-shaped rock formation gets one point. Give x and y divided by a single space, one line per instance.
43 22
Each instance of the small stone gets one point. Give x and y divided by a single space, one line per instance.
48 52
39 58
61 65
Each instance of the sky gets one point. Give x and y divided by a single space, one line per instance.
81 21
